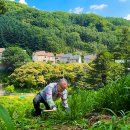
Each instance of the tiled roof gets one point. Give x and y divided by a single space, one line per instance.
59 55
43 53
49 54
39 53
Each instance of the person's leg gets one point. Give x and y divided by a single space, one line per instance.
36 103
46 104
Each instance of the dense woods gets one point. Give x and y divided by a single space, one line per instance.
33 30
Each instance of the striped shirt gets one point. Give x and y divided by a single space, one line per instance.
51 94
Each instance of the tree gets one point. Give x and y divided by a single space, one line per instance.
124 44
102 70
14 57
2 7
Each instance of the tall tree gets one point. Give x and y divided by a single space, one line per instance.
102 70
14 57
124 43
2 7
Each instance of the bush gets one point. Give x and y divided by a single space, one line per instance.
39 74
115 96
9 89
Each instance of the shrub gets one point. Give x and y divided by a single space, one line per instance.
115 96
9 89
38 74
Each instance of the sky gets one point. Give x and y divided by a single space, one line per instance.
106 8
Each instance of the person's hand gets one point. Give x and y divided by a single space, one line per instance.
54 109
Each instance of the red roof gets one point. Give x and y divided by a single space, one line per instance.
43 53
59 55
49 54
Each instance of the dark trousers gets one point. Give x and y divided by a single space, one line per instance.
36 102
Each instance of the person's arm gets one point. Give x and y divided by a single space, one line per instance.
49 99
65 100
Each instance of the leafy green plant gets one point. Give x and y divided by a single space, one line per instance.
114 96
9 89
117 123
6 118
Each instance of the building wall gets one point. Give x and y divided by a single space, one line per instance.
57 59
0 56
64 60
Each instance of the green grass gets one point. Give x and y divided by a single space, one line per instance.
115 97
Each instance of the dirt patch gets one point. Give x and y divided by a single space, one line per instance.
65 127
95 117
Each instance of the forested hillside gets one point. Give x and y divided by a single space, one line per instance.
33 30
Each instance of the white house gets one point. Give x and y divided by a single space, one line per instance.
65 58
2 66
43 56
75 59
58 57
1 51
69 58
89 58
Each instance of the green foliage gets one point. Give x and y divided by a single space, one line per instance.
56 31
39 74
115 97
14 57
4 115
2 7
9 89
124 40
115 123
104 70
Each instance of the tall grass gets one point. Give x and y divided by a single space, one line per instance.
80 103
115 96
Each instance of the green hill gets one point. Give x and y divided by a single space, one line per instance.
33 30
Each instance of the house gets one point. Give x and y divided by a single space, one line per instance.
89 58
2 66
1 51
38 56
65 58
75 59
51 57
43 56
58 57
69 58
